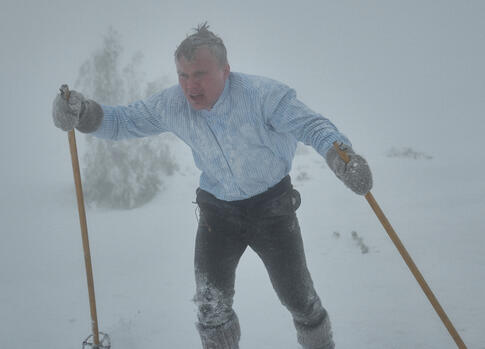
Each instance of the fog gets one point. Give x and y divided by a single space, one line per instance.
405 73
387 73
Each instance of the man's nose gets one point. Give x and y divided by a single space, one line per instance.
192 83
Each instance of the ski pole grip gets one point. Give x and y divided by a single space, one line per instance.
65 91
345 157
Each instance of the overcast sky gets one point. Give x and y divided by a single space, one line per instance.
388 73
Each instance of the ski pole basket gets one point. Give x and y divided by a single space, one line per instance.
104 342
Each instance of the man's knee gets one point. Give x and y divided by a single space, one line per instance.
307 311
214 306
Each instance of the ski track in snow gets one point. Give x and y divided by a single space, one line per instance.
143 263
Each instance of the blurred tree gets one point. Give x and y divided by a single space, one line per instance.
123 174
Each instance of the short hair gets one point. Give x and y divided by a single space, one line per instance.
202 37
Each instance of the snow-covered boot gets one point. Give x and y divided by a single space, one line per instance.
225 336
315 337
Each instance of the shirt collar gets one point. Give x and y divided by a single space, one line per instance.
223 95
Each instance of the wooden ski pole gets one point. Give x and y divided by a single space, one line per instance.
84 228
409 261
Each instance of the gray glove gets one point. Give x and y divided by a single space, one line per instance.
76 111
355 174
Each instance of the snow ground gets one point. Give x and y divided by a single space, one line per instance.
143 261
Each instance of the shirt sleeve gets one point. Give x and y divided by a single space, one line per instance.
139 119
289 115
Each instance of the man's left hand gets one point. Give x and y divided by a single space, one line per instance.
355 174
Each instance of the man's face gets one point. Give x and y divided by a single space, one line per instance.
202 79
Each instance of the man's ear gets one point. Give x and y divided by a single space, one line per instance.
227 70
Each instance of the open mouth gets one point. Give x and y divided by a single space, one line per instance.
196 98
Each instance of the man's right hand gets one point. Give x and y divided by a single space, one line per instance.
66 111
75 111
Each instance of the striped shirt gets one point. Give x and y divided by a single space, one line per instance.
244 145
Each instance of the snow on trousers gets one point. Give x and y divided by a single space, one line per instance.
267 223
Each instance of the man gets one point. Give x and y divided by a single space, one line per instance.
243 131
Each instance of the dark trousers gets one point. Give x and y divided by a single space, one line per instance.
268 224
